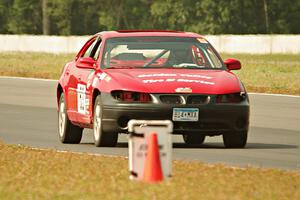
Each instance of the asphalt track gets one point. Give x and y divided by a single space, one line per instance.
28 117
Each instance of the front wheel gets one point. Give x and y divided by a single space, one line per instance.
102 138
68 132
235 139
193 138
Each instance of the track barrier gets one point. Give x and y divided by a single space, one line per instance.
253 44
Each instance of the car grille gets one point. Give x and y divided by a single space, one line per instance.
184 99
171 99
198 99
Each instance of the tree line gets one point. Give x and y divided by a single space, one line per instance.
85 17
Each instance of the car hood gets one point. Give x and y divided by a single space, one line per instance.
173 80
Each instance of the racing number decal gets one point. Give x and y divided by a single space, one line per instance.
81 98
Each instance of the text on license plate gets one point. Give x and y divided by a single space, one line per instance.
185 114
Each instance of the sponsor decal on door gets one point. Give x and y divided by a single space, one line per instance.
81 102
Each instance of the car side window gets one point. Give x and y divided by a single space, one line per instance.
96 50
89 50
93 50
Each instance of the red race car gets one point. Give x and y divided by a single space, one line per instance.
151 75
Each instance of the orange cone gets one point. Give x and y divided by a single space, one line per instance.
152 169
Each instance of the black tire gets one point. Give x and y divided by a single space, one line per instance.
102 138
193 138
68 132
235 139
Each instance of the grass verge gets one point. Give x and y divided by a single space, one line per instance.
274 73
45 174
36 65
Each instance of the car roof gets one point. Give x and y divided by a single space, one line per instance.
149 33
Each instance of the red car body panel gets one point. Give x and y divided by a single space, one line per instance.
154 80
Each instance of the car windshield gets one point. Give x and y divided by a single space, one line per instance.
160 52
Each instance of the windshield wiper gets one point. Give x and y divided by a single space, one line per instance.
156 58
121 67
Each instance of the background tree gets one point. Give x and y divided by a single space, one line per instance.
125 14
25 17
5 6
60 16
46 22
170 14
86 17
284 16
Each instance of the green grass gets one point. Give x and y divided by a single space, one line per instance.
274 73
37 65
45 174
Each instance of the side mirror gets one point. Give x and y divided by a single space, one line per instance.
86 62
232 64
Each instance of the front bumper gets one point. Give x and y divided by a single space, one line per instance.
214 119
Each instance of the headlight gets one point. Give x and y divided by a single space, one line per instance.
231 98
129 96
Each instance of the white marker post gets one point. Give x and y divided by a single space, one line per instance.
139 132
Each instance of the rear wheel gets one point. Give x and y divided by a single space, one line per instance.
235 139
68 132
193 138
102 138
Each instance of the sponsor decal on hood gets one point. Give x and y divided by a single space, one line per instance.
174 75
168 80
185 78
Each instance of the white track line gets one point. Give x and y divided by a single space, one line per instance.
53 80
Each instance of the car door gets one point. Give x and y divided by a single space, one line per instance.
72 77
84 84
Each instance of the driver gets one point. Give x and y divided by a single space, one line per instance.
179 56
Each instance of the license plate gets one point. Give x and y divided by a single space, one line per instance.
185 114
